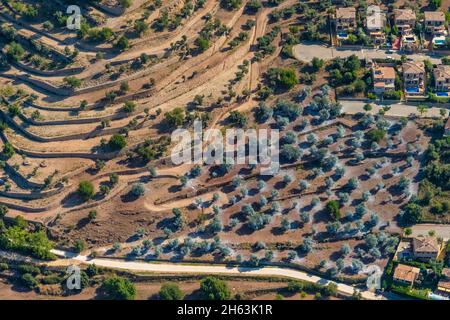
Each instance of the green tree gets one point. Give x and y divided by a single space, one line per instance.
3 211
129 106
375 135
117 142
92 215
122 44
8 150
174 118
118 288
412 213
140 27
29 281
72 82
79 245
202 44
15 51
86 190
170 291
213 288
333 210
126 3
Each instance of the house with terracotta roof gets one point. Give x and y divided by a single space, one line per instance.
345 19
426 248
414 77
443 286
383 79
435 22
406 274
441 78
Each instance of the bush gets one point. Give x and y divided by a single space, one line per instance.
375 135
72 82
129 106
122 44
29 281
286 78
126 3
8 150
79 246
412 213
202 44
213 288
15 51
138 189
19 239
170 291
117 142
86 190
333 210
117 288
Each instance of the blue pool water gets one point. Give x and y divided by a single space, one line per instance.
412 90
342 35
442 94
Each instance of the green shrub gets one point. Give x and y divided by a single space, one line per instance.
86 190
117 142
29 281
117 288
333 209
213 288
170 291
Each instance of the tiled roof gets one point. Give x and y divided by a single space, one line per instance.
441 72
444 284
426 244
404 14
413 67
384 73
406 273
345 13
434 16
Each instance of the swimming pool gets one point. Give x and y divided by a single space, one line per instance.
439 41
342 35
442 94
412 90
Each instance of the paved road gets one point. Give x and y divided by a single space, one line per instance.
306 52
397 109
208 269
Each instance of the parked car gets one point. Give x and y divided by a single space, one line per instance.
389 51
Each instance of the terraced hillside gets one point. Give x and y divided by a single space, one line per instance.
87 117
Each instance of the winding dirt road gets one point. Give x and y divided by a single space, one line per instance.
343 289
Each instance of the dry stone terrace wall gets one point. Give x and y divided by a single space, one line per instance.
32 195
48 73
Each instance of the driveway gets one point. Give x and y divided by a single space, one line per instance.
306 52
397 109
